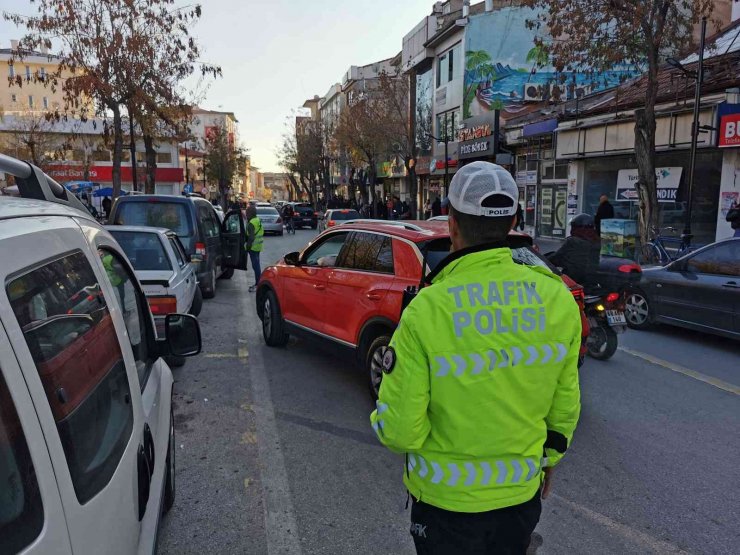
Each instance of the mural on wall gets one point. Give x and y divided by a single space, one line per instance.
423 119
504 67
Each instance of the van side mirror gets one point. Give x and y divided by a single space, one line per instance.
182 334
293 259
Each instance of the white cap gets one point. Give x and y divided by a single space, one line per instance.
474 183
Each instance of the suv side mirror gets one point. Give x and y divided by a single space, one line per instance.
293 259
182 334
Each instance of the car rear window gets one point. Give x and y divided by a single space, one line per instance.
156 213
266 211
21 509
144 250
345 215
439 249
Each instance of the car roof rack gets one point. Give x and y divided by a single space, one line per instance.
405 225
33 183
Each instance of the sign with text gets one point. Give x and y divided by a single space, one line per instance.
668 182
729 131
104 174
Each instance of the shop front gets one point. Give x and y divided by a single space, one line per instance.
168 181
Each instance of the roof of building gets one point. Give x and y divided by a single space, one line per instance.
199 110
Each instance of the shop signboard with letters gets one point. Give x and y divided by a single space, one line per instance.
668 182
729 125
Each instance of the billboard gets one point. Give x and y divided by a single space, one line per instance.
668 180
504 67
729 125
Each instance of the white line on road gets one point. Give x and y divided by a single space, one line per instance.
630 534
716 382
281 529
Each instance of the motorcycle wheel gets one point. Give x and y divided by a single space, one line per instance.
603 343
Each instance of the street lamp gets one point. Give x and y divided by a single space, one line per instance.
698 75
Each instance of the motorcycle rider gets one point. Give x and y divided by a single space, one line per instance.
579 256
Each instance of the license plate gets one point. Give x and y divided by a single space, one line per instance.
615 318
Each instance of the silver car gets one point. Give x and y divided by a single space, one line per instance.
271 220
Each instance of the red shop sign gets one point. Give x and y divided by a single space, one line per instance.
104 174
729 130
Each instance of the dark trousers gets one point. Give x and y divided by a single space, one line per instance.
503 531
254 257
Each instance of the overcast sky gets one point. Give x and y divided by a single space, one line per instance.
277 53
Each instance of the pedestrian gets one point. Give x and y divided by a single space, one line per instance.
437 207
255 239
605 211
107 204
733 216
480 380
389 209
427 210
519 217
405 210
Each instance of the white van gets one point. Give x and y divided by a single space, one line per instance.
87 455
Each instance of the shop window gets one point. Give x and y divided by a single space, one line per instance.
101 155
164 157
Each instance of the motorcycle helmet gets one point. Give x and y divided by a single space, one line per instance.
583 220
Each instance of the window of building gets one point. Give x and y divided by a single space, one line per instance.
28 73
134 313
447 122
450 64
69 331
42 74
13 98
30 101
446 67
45 102
164 157
78 155
101 155
21 509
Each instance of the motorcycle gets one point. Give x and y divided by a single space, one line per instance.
606 319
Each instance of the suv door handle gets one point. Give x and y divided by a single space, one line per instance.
373 296
731 284
319 286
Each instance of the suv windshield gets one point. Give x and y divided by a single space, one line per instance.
144 250
156 213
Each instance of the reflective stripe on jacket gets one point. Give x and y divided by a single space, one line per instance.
255 235
484 390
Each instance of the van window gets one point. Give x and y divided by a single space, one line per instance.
69 331
156 213
21 510
144 250
207 217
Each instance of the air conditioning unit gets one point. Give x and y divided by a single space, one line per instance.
579 91
534 93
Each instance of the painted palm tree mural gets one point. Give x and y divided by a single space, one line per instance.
504 66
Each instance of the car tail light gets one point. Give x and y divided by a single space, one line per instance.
629 268
200 250
612 297
161 306
330 223
315 213
90 298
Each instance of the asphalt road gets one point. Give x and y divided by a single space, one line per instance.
276 454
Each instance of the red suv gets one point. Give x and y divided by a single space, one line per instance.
347 285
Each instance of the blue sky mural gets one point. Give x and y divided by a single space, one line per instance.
504 67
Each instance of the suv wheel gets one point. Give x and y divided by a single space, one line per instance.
273 328
169 478
228 273
374 363
209 287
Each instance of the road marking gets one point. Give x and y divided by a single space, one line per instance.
220 355
242 352
716 382
281 528
628 533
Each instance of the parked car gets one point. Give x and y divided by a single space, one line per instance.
271 220
347 285
208 241
699 291
163 269
87 435
304 215
336 216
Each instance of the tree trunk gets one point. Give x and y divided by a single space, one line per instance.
647 186
132 150
151 164
117 149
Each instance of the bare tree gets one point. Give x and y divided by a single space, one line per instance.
30 135
597 36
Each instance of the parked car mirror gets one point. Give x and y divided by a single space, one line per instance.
293 259
182 333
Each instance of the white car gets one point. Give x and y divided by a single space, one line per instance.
87 435
163 269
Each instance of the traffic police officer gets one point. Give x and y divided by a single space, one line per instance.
481 381
255 240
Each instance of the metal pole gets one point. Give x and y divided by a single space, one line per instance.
447 171
695 133
187 167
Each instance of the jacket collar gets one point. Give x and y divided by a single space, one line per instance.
451 261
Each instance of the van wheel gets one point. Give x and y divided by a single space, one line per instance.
228 273
273 327
197 305
374 363
169 478
209 287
